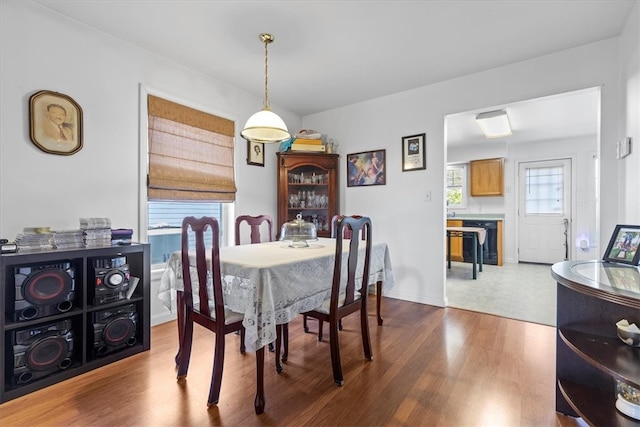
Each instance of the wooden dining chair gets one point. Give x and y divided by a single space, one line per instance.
349 288
346 233
210 312
255 223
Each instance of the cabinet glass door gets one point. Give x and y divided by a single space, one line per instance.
309 196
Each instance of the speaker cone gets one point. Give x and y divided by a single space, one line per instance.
46 287
46 353
119 331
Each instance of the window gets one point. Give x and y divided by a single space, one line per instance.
456 185
165 225
190 171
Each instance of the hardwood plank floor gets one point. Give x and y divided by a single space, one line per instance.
431 367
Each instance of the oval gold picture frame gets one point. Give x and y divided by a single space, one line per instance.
55 123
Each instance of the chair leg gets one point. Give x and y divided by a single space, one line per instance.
320 324
278 347
184 355
180 313
366 339
335 353
243 348
216 375
285 342
378 301
304 323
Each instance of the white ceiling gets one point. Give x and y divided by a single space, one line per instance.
329 54
558 117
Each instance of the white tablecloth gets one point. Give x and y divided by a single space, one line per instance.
271 282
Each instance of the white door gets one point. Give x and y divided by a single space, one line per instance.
544 211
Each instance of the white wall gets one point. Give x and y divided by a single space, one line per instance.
630 110
41 50
413 227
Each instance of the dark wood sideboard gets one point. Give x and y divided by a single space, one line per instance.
592 297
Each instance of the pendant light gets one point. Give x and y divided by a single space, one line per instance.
265 125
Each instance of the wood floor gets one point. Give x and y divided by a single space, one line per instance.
431 367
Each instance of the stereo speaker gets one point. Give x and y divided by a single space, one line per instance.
114 329
111 278
43 290
40 351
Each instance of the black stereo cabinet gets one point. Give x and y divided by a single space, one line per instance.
67 331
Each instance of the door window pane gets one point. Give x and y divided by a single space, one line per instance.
544 190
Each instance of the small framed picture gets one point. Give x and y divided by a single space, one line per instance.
255 153
623 246
366 168
414 156
55 123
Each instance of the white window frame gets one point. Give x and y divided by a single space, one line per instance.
464 186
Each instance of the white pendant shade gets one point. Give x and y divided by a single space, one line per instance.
265 126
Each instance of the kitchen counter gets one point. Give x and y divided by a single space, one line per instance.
478 216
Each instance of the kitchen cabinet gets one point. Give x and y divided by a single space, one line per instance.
66 312
456 242
308 185
592 296
487 177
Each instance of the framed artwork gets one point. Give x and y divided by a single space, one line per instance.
366 168
623 246
414 156
55 123
255 153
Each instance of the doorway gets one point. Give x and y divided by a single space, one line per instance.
544 211
561 129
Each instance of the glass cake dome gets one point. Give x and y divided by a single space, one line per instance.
298 232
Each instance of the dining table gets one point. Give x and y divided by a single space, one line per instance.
272 282
477 234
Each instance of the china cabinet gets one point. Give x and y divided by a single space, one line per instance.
592 297
308 185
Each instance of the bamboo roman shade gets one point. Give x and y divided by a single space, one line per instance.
190 154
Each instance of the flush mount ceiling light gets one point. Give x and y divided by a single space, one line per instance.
494 124
265 125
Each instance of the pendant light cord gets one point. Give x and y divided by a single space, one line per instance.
266 69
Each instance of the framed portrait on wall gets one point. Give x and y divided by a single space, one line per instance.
255 153
55 123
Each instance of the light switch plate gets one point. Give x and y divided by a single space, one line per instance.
623 148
